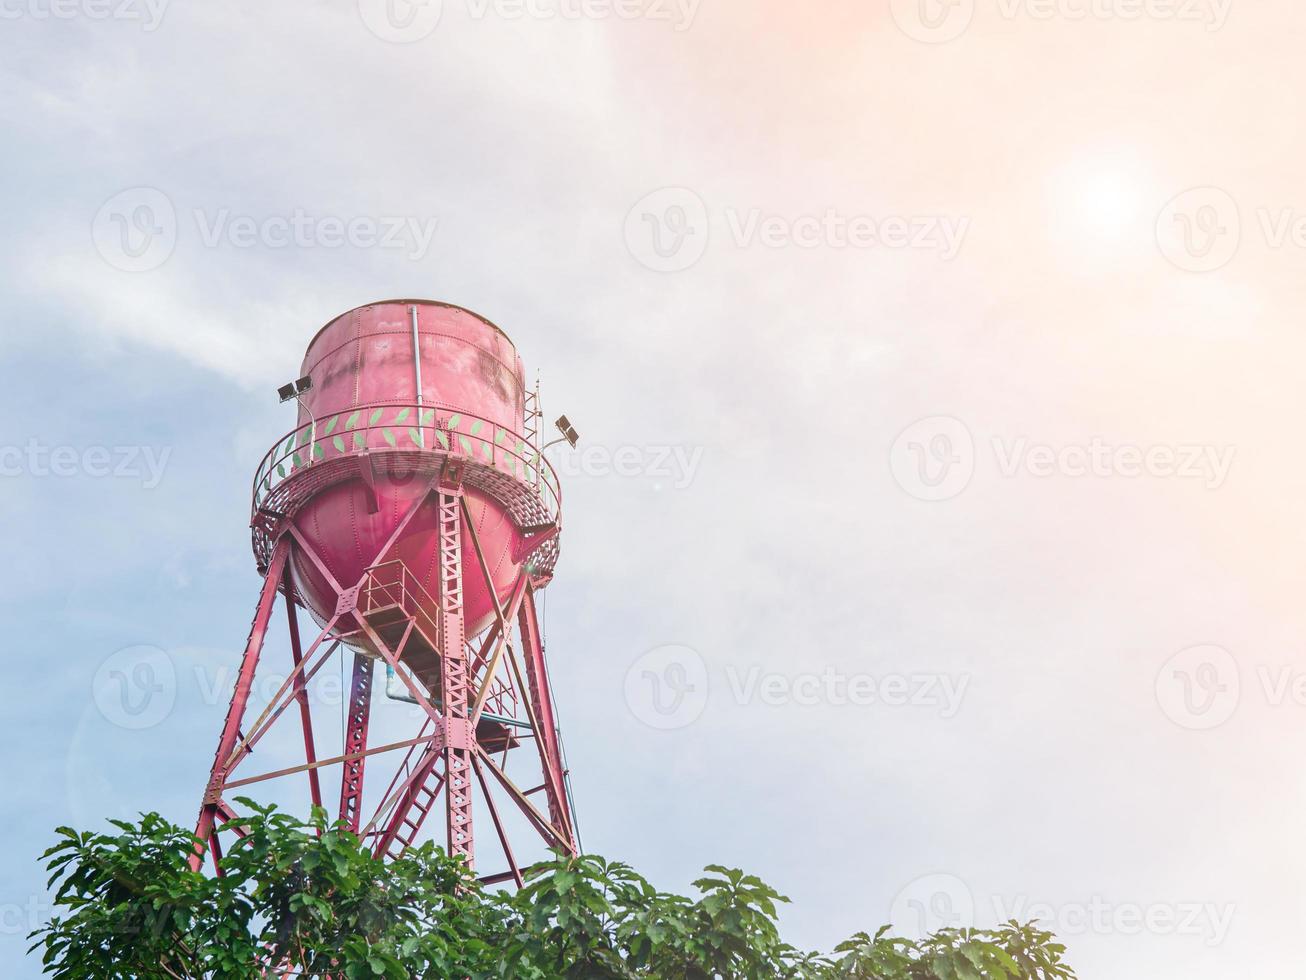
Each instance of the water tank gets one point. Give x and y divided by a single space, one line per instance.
399 390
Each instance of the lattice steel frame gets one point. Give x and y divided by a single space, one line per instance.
446 756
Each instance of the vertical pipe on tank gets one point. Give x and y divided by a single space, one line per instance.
417 370
312 433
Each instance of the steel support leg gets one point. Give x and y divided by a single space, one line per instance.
537 678
360 711
455 676
301 695
239 700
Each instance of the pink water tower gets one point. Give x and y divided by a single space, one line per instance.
412 513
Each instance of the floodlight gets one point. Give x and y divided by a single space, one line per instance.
568 432
295 388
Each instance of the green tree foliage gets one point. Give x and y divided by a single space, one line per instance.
312 897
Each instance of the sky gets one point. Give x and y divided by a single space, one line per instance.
933 544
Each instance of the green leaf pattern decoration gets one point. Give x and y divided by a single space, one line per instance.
503 449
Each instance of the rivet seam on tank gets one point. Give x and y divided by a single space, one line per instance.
518 380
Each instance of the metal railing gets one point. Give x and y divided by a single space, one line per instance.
408 428
392 584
